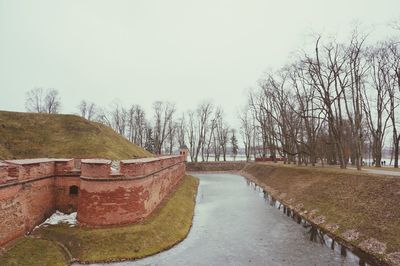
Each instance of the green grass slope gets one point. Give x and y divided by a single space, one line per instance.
32 135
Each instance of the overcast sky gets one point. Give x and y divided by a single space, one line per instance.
180 51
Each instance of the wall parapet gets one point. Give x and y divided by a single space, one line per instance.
99 168
146 166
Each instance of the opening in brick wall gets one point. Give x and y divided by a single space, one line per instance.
73 190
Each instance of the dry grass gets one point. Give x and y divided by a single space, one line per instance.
385 168
215 166
327 166
364 202
29 251
29 135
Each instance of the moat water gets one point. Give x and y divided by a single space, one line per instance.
233 225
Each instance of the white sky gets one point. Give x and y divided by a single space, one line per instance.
181 51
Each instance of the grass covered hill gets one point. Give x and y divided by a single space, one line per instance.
32 135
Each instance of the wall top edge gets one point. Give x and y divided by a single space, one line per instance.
147 160
89 161
96 161
35 161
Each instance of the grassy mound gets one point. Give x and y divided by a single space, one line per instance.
166 227
31 135
357 201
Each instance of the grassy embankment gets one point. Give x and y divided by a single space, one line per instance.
215 166
345 202
167 226
31 135
385 168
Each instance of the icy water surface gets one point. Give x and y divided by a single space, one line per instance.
233 225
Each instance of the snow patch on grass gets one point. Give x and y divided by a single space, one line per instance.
60 217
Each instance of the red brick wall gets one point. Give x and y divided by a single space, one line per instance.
36 170
96 168
64 167
11 214
132 169
40 187
23 206
13 171
64 201
3 173
127 200
27 197
143 167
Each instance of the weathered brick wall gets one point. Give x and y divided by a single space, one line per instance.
3 173
130 198
96 168
134 167
11 214
64 167
23 206
64 200
27 197
31 190
31 168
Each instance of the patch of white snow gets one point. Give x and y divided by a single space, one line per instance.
59 217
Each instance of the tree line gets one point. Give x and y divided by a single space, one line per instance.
203 130
337 104
333 105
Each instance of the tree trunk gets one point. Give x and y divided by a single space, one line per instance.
396 152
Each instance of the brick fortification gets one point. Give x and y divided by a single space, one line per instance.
31 190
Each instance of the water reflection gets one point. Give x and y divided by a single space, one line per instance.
315 234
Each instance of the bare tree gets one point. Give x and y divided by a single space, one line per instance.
263 122
308 109
222 131
192 136
52 102
394 93
172 130
357 66
103 117
181 130
211 143
328 105
376 100
137 124
247 131
87 109
203 113
163 115
39 101
34 100
119 118
330 78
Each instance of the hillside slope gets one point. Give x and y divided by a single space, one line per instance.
31 135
